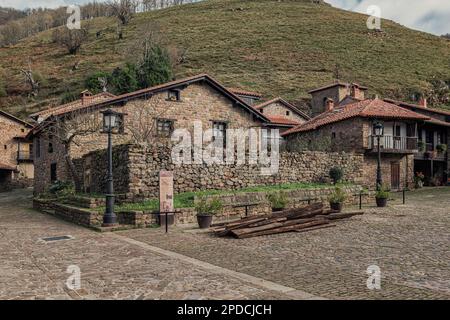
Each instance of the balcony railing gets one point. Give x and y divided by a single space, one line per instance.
24 156
394 144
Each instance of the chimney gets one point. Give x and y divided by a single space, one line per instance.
86 97
423 102
329 104
355 92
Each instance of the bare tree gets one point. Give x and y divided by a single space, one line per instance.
71 39
124 10
66 130
30 80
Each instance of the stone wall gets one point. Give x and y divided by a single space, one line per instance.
136 171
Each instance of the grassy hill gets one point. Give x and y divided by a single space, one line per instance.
274 47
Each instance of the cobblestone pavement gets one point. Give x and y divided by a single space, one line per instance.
110 267
410 243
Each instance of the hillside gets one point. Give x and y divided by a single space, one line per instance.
274 47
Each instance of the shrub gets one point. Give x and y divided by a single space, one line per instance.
336 174
124 80
2 89
93 83
441 148
338 196
421 146
155 67
278 200
69 97
383 193
205 206
62 189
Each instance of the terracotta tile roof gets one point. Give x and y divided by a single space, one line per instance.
418 107
337 83
282 120
283 102
245 92
7 167
370 108
74 105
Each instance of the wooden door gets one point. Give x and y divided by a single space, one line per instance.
395 175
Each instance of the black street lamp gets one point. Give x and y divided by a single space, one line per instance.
379 132
111 122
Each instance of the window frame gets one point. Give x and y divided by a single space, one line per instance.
162 133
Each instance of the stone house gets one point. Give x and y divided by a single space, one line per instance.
434 134
151 114
280 111
349 128
16 156
340 92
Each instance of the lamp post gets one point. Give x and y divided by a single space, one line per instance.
379 132
110 123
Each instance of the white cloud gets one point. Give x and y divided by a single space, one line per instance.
431 16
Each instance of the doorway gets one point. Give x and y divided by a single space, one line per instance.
395 175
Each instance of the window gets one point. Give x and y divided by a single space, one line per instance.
50 143
333 135
38 147
23 130
5 147
288 113
164 127
174 95
398 131
220 131
53 173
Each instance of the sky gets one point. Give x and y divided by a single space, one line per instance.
431 16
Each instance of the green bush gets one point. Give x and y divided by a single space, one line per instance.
62 189
441 148
205 206
338 196
421 146
155 67
124 80
336 174
92 82
278 200
383 193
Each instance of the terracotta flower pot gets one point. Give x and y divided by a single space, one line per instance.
336 206
204 221
381 202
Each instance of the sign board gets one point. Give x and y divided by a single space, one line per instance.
166 191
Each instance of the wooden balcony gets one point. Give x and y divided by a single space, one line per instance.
391 144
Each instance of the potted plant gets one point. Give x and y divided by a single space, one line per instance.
381 197
421 146
419 179
337 199
206 209
278 201
441 148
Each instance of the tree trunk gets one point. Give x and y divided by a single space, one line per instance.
72 170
